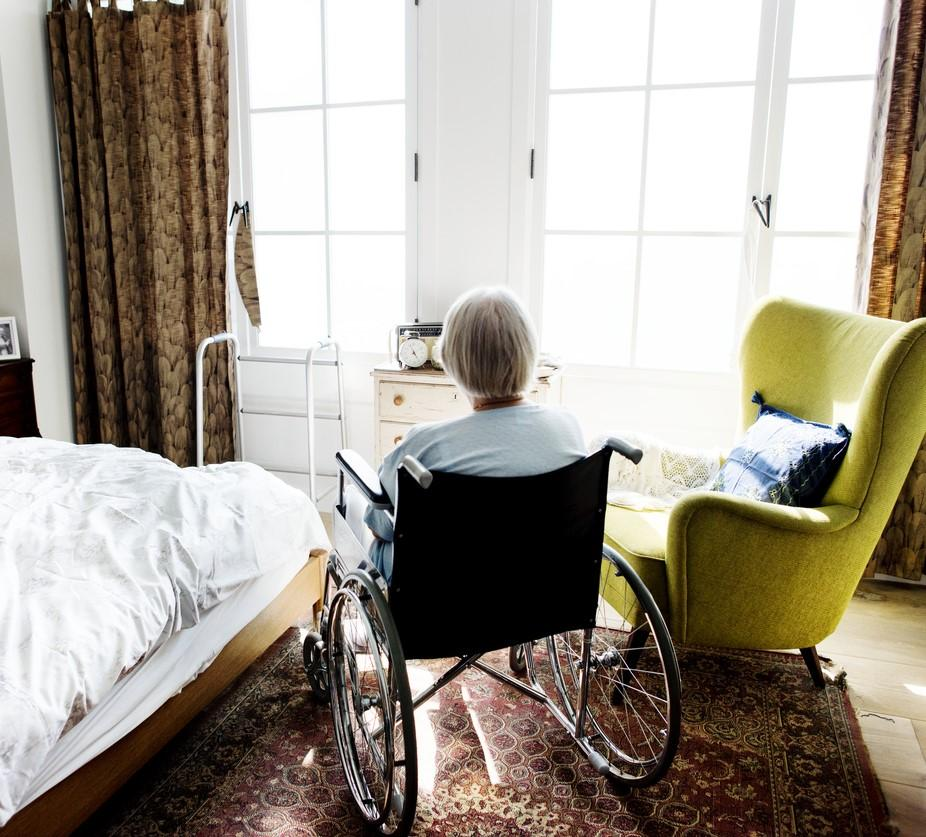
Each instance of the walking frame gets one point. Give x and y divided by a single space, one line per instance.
311 363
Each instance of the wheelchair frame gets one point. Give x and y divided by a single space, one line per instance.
360 581
532 688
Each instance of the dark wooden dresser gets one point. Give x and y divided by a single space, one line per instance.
17 399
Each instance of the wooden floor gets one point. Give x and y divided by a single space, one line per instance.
881 644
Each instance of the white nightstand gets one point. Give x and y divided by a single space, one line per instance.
404 397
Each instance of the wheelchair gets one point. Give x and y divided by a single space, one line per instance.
482 564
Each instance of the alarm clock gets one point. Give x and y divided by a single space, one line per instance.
423 338
413 351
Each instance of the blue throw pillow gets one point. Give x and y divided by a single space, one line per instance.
784 459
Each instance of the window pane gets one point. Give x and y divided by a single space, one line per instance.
688 297
287 163
826 137
835 37
698 159
598 43
284 53
366 50
588 298
366 157
816 270
367 289
291 283
711 40
595 148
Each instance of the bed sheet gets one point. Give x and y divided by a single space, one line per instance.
105 553
163 674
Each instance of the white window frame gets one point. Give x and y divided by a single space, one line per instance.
778 99
241 180
767 134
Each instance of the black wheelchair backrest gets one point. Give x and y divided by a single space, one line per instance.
481 563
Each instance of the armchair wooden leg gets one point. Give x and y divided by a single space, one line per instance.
813 666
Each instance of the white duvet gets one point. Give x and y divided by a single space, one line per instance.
104 553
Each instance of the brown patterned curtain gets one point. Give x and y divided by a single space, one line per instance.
244 263
891 261
141 105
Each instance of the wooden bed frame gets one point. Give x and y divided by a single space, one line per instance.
64 807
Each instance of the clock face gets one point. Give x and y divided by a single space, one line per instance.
413 352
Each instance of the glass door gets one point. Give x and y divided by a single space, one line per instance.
657 123
822 95
648 150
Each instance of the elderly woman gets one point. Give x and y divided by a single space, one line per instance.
489 348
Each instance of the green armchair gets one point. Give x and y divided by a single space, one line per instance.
733 572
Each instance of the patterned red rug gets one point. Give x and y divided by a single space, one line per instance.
761 753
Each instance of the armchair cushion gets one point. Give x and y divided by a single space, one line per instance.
784 459
640 536
641 533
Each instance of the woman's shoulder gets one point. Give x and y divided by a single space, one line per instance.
555 413
551 416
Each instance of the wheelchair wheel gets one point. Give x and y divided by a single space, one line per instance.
315 665
633 715
371 706
517 659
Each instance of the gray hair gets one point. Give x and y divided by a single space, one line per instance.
489 346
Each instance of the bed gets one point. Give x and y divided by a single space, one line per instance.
131 593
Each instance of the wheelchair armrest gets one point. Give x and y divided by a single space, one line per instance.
364 477
624 449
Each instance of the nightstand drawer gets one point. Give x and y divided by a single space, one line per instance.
15 376
420 402
391 434
17 402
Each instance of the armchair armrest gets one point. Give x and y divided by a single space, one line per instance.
744 573
364 477
809 521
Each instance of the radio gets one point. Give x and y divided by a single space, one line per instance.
416 345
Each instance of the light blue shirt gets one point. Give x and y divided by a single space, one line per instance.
517 441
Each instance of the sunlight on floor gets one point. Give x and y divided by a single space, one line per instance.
490 762
419 679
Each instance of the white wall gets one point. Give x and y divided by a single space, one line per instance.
12 298
475 135
465 134
40 303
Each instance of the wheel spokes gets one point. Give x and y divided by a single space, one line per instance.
629 697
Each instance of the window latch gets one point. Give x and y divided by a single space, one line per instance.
766 216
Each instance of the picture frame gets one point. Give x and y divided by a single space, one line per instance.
9 340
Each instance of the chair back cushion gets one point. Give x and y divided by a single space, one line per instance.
482 563
865 372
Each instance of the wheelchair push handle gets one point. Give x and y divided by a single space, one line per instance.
624 449
421 475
